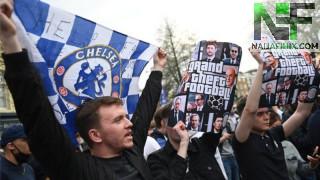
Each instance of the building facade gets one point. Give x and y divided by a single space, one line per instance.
7 110
244 82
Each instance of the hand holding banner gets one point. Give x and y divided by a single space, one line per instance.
207 90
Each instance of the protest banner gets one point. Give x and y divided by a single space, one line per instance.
208 86
289 76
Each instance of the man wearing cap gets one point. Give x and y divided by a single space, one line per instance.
16 153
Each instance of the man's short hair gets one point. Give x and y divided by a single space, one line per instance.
162 113
193 115
212 43
286 78
269 83
303 89
201 96
242 103
234 46
270 52
218 115
88 117
176 99
273 117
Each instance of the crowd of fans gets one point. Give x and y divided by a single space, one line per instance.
255 142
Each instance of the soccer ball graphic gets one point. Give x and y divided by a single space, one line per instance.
215 102
301 80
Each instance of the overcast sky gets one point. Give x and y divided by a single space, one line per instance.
222 20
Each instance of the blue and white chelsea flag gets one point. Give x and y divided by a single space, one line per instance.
79 59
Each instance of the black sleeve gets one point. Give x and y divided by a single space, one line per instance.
39 171
161 170
304 169
48 141
145 109
211 139
313 134
4 177
236 144
278 133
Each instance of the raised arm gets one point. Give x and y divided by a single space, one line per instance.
249 112
296 119
181 130
8 36
47 139
169 165
148 101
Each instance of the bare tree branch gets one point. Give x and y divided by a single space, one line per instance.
179 50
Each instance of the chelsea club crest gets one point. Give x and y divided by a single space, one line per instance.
87 73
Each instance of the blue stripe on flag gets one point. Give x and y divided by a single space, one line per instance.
42 68
62 106
81 32
117 40
140 48
49 50
132 101
125 87
124 63
70 126
69 60
33 15
138 67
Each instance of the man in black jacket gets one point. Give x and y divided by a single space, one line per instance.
116 144
178 155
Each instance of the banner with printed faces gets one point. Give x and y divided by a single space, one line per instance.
206 92
289 76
